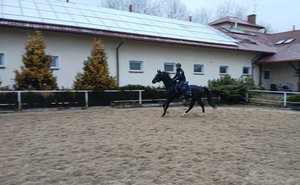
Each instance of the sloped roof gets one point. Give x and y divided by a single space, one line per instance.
248 41
121 23
229 19
286 52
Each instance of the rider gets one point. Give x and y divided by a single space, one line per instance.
180 80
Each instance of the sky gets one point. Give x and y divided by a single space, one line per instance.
278 15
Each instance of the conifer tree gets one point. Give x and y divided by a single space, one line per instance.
36 73
95 71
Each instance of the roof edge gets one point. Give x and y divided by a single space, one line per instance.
81 30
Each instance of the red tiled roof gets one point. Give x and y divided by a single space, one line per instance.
285 52
229 19
259 42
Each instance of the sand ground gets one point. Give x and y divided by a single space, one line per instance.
230 145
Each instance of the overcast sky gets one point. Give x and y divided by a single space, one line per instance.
279 15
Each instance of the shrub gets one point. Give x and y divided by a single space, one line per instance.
36 73
231 90
294 98
95 74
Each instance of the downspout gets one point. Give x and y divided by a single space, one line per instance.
298 73
118 62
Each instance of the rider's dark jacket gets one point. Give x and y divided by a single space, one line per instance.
179 75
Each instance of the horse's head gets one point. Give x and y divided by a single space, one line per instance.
158 77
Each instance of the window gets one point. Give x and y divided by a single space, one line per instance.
246 70
135 66
1 60
54 63
198 68
169 67
267 75
284 41
223 69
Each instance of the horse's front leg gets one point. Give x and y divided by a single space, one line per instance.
166 106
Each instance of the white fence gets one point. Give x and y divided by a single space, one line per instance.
86 96
282 97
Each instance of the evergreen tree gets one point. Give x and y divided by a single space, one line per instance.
36 73
95 71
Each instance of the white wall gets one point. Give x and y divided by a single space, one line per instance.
73 49
154 55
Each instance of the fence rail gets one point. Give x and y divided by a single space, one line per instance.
283 97
86 95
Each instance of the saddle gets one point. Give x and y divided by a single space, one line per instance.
187 88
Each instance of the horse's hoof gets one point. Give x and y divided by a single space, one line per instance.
183 115
203 114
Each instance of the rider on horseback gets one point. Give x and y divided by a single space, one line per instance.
181 84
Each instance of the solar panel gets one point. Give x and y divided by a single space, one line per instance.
30 12
93 17
48 15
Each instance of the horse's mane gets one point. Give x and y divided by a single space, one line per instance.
165 73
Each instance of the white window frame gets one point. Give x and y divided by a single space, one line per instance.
134 70
169 63
3 59
202 69
227 69
57 62
249 71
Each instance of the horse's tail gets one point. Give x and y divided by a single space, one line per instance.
209 98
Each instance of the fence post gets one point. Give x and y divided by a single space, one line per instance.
284 98
86 99
19 100
247 97
140 97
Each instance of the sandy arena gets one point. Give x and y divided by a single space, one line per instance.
227 146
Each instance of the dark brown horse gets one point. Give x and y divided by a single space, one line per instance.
197 92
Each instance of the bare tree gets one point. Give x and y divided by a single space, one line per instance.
229 8
138 6
168 8
174 9
201 16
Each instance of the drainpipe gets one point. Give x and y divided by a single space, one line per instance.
298 73
118 63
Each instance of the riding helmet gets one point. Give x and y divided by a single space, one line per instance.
178 65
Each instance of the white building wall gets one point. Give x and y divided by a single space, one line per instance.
154 55
73 49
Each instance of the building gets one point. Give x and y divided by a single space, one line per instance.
277 65
136 44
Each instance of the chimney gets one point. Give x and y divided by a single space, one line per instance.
235 24
190 18
252 19
294 27
130 8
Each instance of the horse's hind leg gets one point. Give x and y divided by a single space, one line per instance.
202 106
192 103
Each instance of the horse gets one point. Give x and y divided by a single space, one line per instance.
198 92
